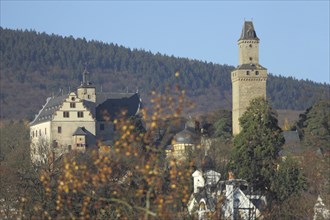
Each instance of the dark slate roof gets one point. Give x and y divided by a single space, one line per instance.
102 97
292 143
111 105
47 111
79 131
248 32
186 136
250 67
90 106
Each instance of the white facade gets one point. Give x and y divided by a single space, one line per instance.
75 121
198 180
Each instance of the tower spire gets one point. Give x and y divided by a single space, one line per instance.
85 76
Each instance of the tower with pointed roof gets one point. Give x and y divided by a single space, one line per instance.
86 91
77 120
249 77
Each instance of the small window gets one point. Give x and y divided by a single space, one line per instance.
80 114
247 72
45 131
102 127
32 133
69 147
250 58
88 96
66 114
72 99
59 129
72 104
257 73
250 45
39 132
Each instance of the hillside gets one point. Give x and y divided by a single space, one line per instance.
36 65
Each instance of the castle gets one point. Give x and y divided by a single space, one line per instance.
249 77
76 120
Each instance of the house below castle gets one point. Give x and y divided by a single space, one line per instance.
75 121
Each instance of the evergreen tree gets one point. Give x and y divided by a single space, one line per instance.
289 180
257 146
314 126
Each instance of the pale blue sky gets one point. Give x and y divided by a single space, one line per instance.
294 34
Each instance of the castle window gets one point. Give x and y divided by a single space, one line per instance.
80 114
72 98
250 58
66 114
247 72
39 132
88 96
257 73
102 127
59 129
72 104
32 133
45 131
250 45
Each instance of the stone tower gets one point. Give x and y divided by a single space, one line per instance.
249 77
86 90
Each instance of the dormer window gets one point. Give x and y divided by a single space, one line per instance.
72 98
257 73
247 73
72 104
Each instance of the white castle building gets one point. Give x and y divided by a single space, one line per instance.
75 121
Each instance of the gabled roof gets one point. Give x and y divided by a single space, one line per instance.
79 131
248 32
47 111
111 105
108 104
103 96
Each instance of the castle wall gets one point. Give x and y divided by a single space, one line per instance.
68 118
105 130
40 135
248 51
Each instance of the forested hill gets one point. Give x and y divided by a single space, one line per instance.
37 65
